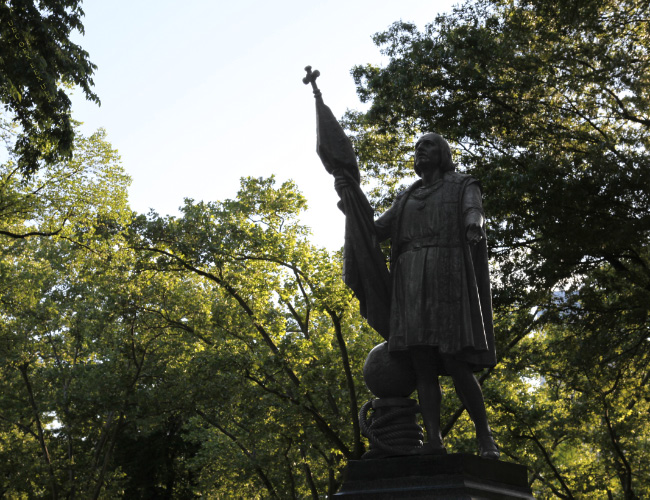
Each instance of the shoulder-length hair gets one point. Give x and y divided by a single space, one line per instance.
445 151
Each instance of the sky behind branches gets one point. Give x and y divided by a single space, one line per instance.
197 94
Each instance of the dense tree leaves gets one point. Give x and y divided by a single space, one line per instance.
217 353
39 63
283 332
80 196
546 103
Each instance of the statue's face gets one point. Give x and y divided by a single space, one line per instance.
427 154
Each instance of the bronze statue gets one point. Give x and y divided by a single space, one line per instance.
435 304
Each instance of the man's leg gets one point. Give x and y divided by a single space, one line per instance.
425 363
470 393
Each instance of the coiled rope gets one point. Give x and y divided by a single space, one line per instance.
386 437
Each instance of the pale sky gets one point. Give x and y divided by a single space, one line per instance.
197 94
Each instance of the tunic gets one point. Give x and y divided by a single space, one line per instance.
440 293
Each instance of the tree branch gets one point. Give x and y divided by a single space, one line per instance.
260 472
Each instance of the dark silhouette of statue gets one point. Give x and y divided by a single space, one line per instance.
434 307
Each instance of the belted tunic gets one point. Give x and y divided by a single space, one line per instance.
440 285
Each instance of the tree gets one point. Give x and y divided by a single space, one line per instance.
56 435
39 62
79 196
216 353
547 104
275 388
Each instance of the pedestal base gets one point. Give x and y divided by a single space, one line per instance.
457 476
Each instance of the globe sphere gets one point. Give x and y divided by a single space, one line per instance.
389 375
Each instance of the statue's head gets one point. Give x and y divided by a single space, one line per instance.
433 151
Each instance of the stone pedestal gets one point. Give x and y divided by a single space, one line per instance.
449 477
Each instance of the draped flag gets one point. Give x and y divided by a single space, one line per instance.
364 265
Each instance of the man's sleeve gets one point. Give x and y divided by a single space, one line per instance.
472 205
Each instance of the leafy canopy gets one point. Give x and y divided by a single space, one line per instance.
39 64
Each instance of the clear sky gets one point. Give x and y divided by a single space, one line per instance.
197 94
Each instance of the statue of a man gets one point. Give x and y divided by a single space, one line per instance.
440 306
435 304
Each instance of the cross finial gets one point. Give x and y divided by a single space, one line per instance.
311 78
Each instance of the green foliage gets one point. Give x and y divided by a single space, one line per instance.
275 384
219 354
39 62
54 317
541 101
80 196
216 354
546 103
